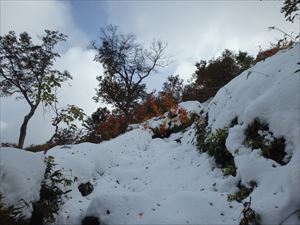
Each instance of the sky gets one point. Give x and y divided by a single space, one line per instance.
194 30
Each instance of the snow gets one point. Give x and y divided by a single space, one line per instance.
21 173
270 92
191 106
141 184
140 180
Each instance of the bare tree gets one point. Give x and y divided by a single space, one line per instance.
26 71
126 64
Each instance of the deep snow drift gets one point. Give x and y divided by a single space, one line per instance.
140 180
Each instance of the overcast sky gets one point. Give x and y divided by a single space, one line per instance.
194 30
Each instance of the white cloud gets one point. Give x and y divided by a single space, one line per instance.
36 16
185 69
194 30
79 62
198 30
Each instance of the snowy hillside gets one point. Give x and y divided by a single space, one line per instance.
138 179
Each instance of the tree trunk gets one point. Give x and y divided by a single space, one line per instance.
24 126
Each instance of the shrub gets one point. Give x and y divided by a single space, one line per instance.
201 133
155 106
192 92
167 101
250 217
211 75
51 194
244 192
98 117
274 48
216 148
104 125
148 109
112 127
161 132
263 54
258 136
177 121
11 215
183 116
185 120
65 136
214 145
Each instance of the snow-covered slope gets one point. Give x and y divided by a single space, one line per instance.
140 180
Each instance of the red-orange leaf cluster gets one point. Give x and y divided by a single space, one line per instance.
112 127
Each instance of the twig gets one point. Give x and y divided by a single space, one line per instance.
285 219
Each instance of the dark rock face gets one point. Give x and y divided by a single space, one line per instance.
90 220
85 189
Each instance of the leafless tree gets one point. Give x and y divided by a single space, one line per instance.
126 64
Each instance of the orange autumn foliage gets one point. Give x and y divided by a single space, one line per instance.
146 110
183 116
171 125
167 102
112 127
153 107
262 55
161 132
273 49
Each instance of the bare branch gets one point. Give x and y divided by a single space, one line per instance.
26 71
126 64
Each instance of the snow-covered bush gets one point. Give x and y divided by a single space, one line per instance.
258 136
201 132
52 194
176 120
214 144
11 215
243 192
